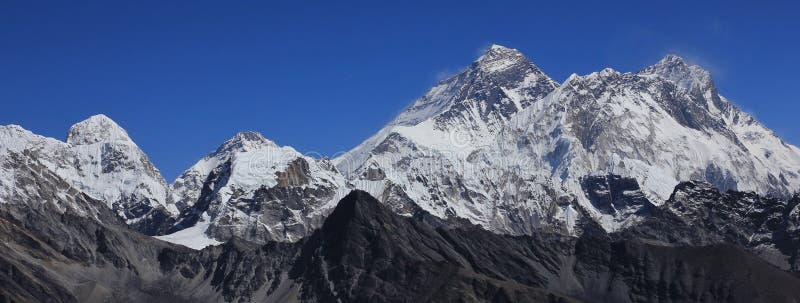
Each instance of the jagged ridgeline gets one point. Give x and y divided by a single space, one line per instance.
499 184
364 252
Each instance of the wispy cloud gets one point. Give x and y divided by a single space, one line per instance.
693 57
717 27
481 50
446 74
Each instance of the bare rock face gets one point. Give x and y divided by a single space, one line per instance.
699 214
296 174
618 197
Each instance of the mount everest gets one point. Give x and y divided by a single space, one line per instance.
503 145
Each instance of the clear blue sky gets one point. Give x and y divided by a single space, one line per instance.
184 76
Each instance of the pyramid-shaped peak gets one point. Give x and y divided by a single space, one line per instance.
499 58
500 48
671 64
250 136
675 69
499 52
672 59
95 129
245 140
14 129
361 207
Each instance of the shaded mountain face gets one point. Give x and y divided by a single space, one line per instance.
364 252
617 197
698 214
98 159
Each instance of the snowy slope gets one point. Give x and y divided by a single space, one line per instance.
253 189
21 173
99 159
464 112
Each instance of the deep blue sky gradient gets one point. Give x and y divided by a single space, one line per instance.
183 76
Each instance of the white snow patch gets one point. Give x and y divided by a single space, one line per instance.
194 237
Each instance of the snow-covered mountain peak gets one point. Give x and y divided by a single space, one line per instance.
571 78
100 160
465 110
497 47
16 138
244 141
97 128
495 52
253 189
673 68
499 58
437 155
608 72
250 158
595 81
500 74
13 127
601 75
672 59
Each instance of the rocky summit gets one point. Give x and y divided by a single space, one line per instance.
499 184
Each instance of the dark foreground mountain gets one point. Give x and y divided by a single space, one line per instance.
363 252
698 214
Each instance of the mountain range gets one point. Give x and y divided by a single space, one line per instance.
498 184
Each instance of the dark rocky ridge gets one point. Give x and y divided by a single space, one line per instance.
364 253
699 214
375 255
613 194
